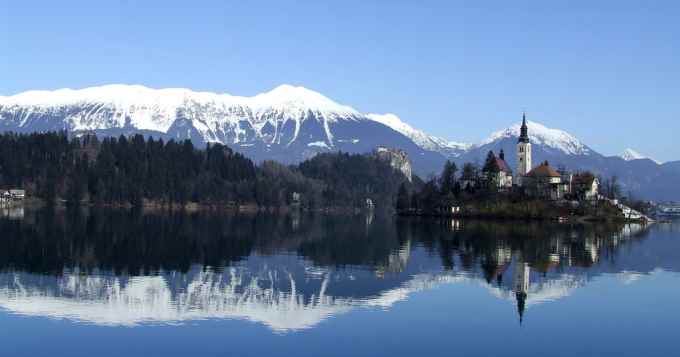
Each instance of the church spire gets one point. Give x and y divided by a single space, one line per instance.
521 305
524 131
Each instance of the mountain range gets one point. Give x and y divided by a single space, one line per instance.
290 124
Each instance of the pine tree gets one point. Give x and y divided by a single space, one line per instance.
447 179
490 163
403 199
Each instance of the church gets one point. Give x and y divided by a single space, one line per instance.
544 181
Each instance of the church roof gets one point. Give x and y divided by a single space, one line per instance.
497 165
503 166
524 130
544 170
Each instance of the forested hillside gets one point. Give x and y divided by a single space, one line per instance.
137 170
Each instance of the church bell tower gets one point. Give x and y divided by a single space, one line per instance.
523 152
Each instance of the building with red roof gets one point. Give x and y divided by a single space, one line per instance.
545 182
497 172
586 186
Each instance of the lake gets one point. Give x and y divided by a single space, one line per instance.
125 283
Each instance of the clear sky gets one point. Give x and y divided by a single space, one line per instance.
606 71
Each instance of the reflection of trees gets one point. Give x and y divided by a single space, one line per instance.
123 241
319 262
544 246
521 259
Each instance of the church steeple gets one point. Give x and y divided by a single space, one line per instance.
524 131
523 152
521 305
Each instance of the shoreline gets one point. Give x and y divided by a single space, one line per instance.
189 207
509 218
252 208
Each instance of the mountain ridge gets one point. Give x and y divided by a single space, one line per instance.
287 124
292 123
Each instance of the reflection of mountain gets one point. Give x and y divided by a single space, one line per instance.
285 297
293 275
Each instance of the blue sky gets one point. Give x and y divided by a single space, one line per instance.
605 71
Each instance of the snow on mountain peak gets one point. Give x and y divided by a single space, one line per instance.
129 95
288 95
630 155
542 135
419 137
119 94
116 105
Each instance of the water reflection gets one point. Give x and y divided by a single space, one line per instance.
293 272
14 212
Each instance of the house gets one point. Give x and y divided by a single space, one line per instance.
585 186
567 179
449 209
5 196
449 206
296 197
17 195
545 182
497 172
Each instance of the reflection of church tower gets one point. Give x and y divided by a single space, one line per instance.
521 285
523 152
521 300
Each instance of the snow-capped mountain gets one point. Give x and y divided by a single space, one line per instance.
420 138
288 124
554 145
549 139
217 117
630 155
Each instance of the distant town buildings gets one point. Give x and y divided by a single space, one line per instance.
13 195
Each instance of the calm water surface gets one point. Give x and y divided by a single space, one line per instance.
112 283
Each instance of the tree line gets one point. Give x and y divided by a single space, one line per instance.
137 170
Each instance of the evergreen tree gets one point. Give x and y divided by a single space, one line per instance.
447 180
403 199
490 163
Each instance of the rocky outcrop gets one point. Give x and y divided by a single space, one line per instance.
397 158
